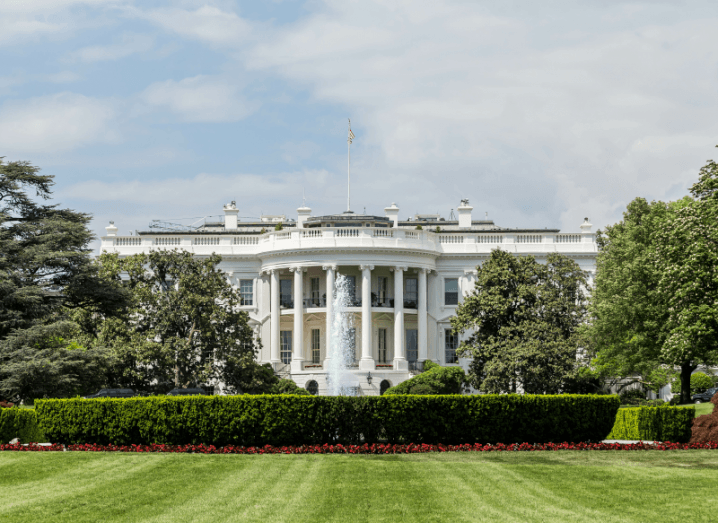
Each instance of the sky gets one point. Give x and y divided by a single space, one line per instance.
540 113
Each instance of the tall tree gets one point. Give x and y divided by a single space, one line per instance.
655 304
46 271
184 326
523 318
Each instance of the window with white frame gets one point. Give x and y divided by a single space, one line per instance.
451 291
381 286
451 343
285 294
314 283
411 293
382 346
285 346
246 292
412 345
316 350
352 338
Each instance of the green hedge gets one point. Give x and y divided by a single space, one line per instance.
284 420
21 424
654 424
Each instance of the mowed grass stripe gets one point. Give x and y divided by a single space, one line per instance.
555 486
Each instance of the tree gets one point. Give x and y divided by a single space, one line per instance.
184 325
627 310
656 298
434 380
524 319
687 257
46 273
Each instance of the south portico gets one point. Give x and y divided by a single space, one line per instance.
383 323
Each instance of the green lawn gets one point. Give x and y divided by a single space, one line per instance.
541 486
703 408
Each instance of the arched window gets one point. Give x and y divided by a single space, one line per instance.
313 387
384 386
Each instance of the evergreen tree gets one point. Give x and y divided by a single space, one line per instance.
46 272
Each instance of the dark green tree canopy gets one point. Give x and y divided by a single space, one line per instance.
524 319
46 272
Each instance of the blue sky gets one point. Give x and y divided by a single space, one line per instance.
539 113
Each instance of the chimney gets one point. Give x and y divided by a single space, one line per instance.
303 213
230 215
392 212
586 230
111 229
464 214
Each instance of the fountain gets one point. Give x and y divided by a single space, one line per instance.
340 380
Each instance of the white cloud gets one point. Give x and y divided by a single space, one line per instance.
63 77
130 44
206 23
200 99
517 110
55 123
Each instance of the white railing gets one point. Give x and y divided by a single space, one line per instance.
347 233
312 233
283 235
383 233
130 241
411 235
167 242
568 238
489 238
245 240
529 238
453 238
205 240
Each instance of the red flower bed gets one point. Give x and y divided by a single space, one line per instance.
359 449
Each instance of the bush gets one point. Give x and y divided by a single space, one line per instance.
434 380
21 424
295 420
662 423
285 386
699 383
632 397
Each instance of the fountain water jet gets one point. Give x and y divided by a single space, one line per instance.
340 379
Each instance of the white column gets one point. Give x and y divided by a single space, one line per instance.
367 358
298 334
330 310
400 362
422 317
274 357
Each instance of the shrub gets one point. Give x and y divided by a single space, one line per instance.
699 383
21 424
435 380
285 386
662 423
296 420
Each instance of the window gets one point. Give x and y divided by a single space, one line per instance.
285 294
451 342
381 285
315 346
285 346
352 285
382 345
451 291
411 296
312 387
384 386
412 345
315 302
352 335
246 292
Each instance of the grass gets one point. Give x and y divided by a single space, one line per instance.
703 408
546 486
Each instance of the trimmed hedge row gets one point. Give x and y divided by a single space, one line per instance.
297 420
654 424
21 424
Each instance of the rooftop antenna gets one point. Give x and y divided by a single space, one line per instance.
349 156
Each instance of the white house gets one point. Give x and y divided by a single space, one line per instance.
408 276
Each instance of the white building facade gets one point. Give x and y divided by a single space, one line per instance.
408 278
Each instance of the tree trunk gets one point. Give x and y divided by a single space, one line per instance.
686 370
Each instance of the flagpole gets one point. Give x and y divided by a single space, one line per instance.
349 156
